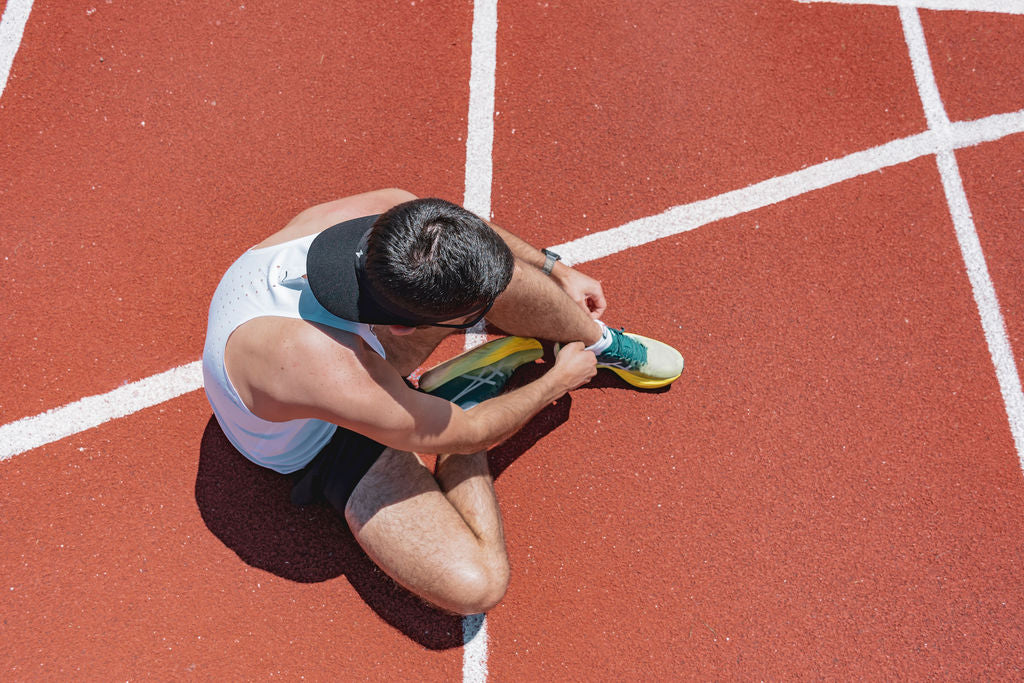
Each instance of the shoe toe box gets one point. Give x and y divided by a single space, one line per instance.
662 359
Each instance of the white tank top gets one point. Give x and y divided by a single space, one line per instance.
267 282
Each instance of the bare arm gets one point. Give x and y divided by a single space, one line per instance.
520 248
426 424
321 216
372 399
584 290
462 431
355 206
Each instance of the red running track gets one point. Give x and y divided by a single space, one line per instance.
831 490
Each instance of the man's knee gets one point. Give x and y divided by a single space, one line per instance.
466 586
474 589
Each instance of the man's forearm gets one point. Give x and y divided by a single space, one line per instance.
498 418
520 248
526 253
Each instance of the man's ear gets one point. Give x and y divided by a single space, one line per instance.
401 330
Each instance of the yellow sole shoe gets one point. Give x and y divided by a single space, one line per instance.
643 362
481 372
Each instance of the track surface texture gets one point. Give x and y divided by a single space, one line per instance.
828 225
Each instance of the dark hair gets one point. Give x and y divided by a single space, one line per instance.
435 259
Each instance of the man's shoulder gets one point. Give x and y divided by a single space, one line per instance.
322 216
278 364
295 339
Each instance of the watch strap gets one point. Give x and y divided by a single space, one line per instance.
550 258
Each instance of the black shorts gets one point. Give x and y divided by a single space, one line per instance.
333 474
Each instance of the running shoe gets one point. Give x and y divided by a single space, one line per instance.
480 373
643 362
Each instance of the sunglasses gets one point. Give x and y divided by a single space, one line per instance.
467 324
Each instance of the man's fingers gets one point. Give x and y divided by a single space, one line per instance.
593 307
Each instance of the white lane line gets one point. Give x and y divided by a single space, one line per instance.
696 214
12 26
474 652
988 129
689 216
985 297
674 221
480 133
479 171
967 235
32 432
476 335
1000 6
927 88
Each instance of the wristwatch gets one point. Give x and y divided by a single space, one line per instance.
550 258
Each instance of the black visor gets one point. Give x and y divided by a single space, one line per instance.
334 268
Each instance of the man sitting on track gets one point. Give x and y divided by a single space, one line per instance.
312 332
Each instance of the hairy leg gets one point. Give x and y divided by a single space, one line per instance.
533 305
438 535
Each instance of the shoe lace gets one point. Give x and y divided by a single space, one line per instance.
485 376
625 349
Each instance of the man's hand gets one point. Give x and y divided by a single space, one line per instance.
584 290
574 366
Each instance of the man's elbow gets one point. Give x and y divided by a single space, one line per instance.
463 436
477 435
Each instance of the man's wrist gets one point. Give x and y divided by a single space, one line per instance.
559 271
551 259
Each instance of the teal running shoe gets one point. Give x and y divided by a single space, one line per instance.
643 362
480 373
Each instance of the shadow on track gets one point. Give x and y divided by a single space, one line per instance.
249 509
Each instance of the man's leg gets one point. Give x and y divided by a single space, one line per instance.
533 305
406 352
439 535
